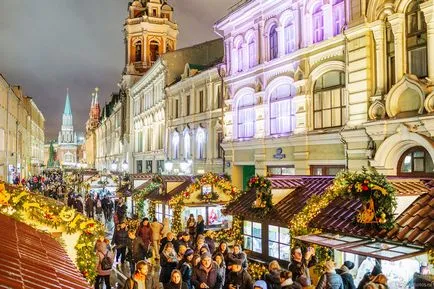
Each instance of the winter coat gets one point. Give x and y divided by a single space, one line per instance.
136 249
347 278
78 205
164 241
186 269
120 238
330 280
89 205
167 265
423 281
186 244
191 225
172 285
212 278
200 228
101 251
150 284
211 244
241 256
273 279
289 284
300 271
156 231
145 232
240 280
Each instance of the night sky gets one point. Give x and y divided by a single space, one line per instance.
50 45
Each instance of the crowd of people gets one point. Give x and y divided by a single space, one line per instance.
192 260
50 183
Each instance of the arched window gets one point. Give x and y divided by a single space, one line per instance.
252 53
240 56
390 51
138 55
274 48
329 103
416 162
187 153
338 16
318 24
416 37
154 50
246 116
200 140
282 109
289 37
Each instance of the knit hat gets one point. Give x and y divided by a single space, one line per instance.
260 284
188 252
205 255
349 265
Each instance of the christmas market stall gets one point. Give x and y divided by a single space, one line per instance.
355 219
206 195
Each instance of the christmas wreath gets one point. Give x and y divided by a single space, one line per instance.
262 187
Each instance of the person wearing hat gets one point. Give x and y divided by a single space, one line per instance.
237 253
260 284
186 267
370 276
329 279
238 278
185 240
207 275
346 276
120 240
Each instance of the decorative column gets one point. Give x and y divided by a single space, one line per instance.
397 21
234 63
261 42
428 11
245 47
280 40
378 29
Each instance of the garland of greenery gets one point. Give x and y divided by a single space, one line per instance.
262 188
18 203
177 202
152 210
232 234
257 270
140 198
431 256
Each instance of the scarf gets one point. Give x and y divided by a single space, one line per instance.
287 282
171 257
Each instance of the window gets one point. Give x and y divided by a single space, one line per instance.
200 139
149 139
148 164
159 212
139 166
289 37
154 50
338 16
160 166
138 55
187 105
220 151
175 145
240 57
329 103
176 108
186 144
278 242
168 213
154 12
252 236
274 47
282 110
246 116
219 97
281 171
318 24
325 170
416 162
140 141
390 51
252 53
201 102
416 36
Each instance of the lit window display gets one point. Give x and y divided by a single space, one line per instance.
278 242
159 212
211 214
252 236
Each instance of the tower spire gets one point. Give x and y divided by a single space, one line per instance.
67 110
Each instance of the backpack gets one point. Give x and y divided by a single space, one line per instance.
106 262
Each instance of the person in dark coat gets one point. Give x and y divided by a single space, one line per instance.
220 260
300 265
286 281
142 275
120 239
200 226
185 240
238 254
89 206
423 279
273 277
191 226
186 267
206 275
224 250
210 242
170 238
176 281
346 276
329 279
136 250
168 262
145 232
368 277
78 204
238 278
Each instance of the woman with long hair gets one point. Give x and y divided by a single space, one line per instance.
176 281
145 232
191 226
168 262
186 267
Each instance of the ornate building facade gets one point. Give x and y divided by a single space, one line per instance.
21 133
316 86
91 125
